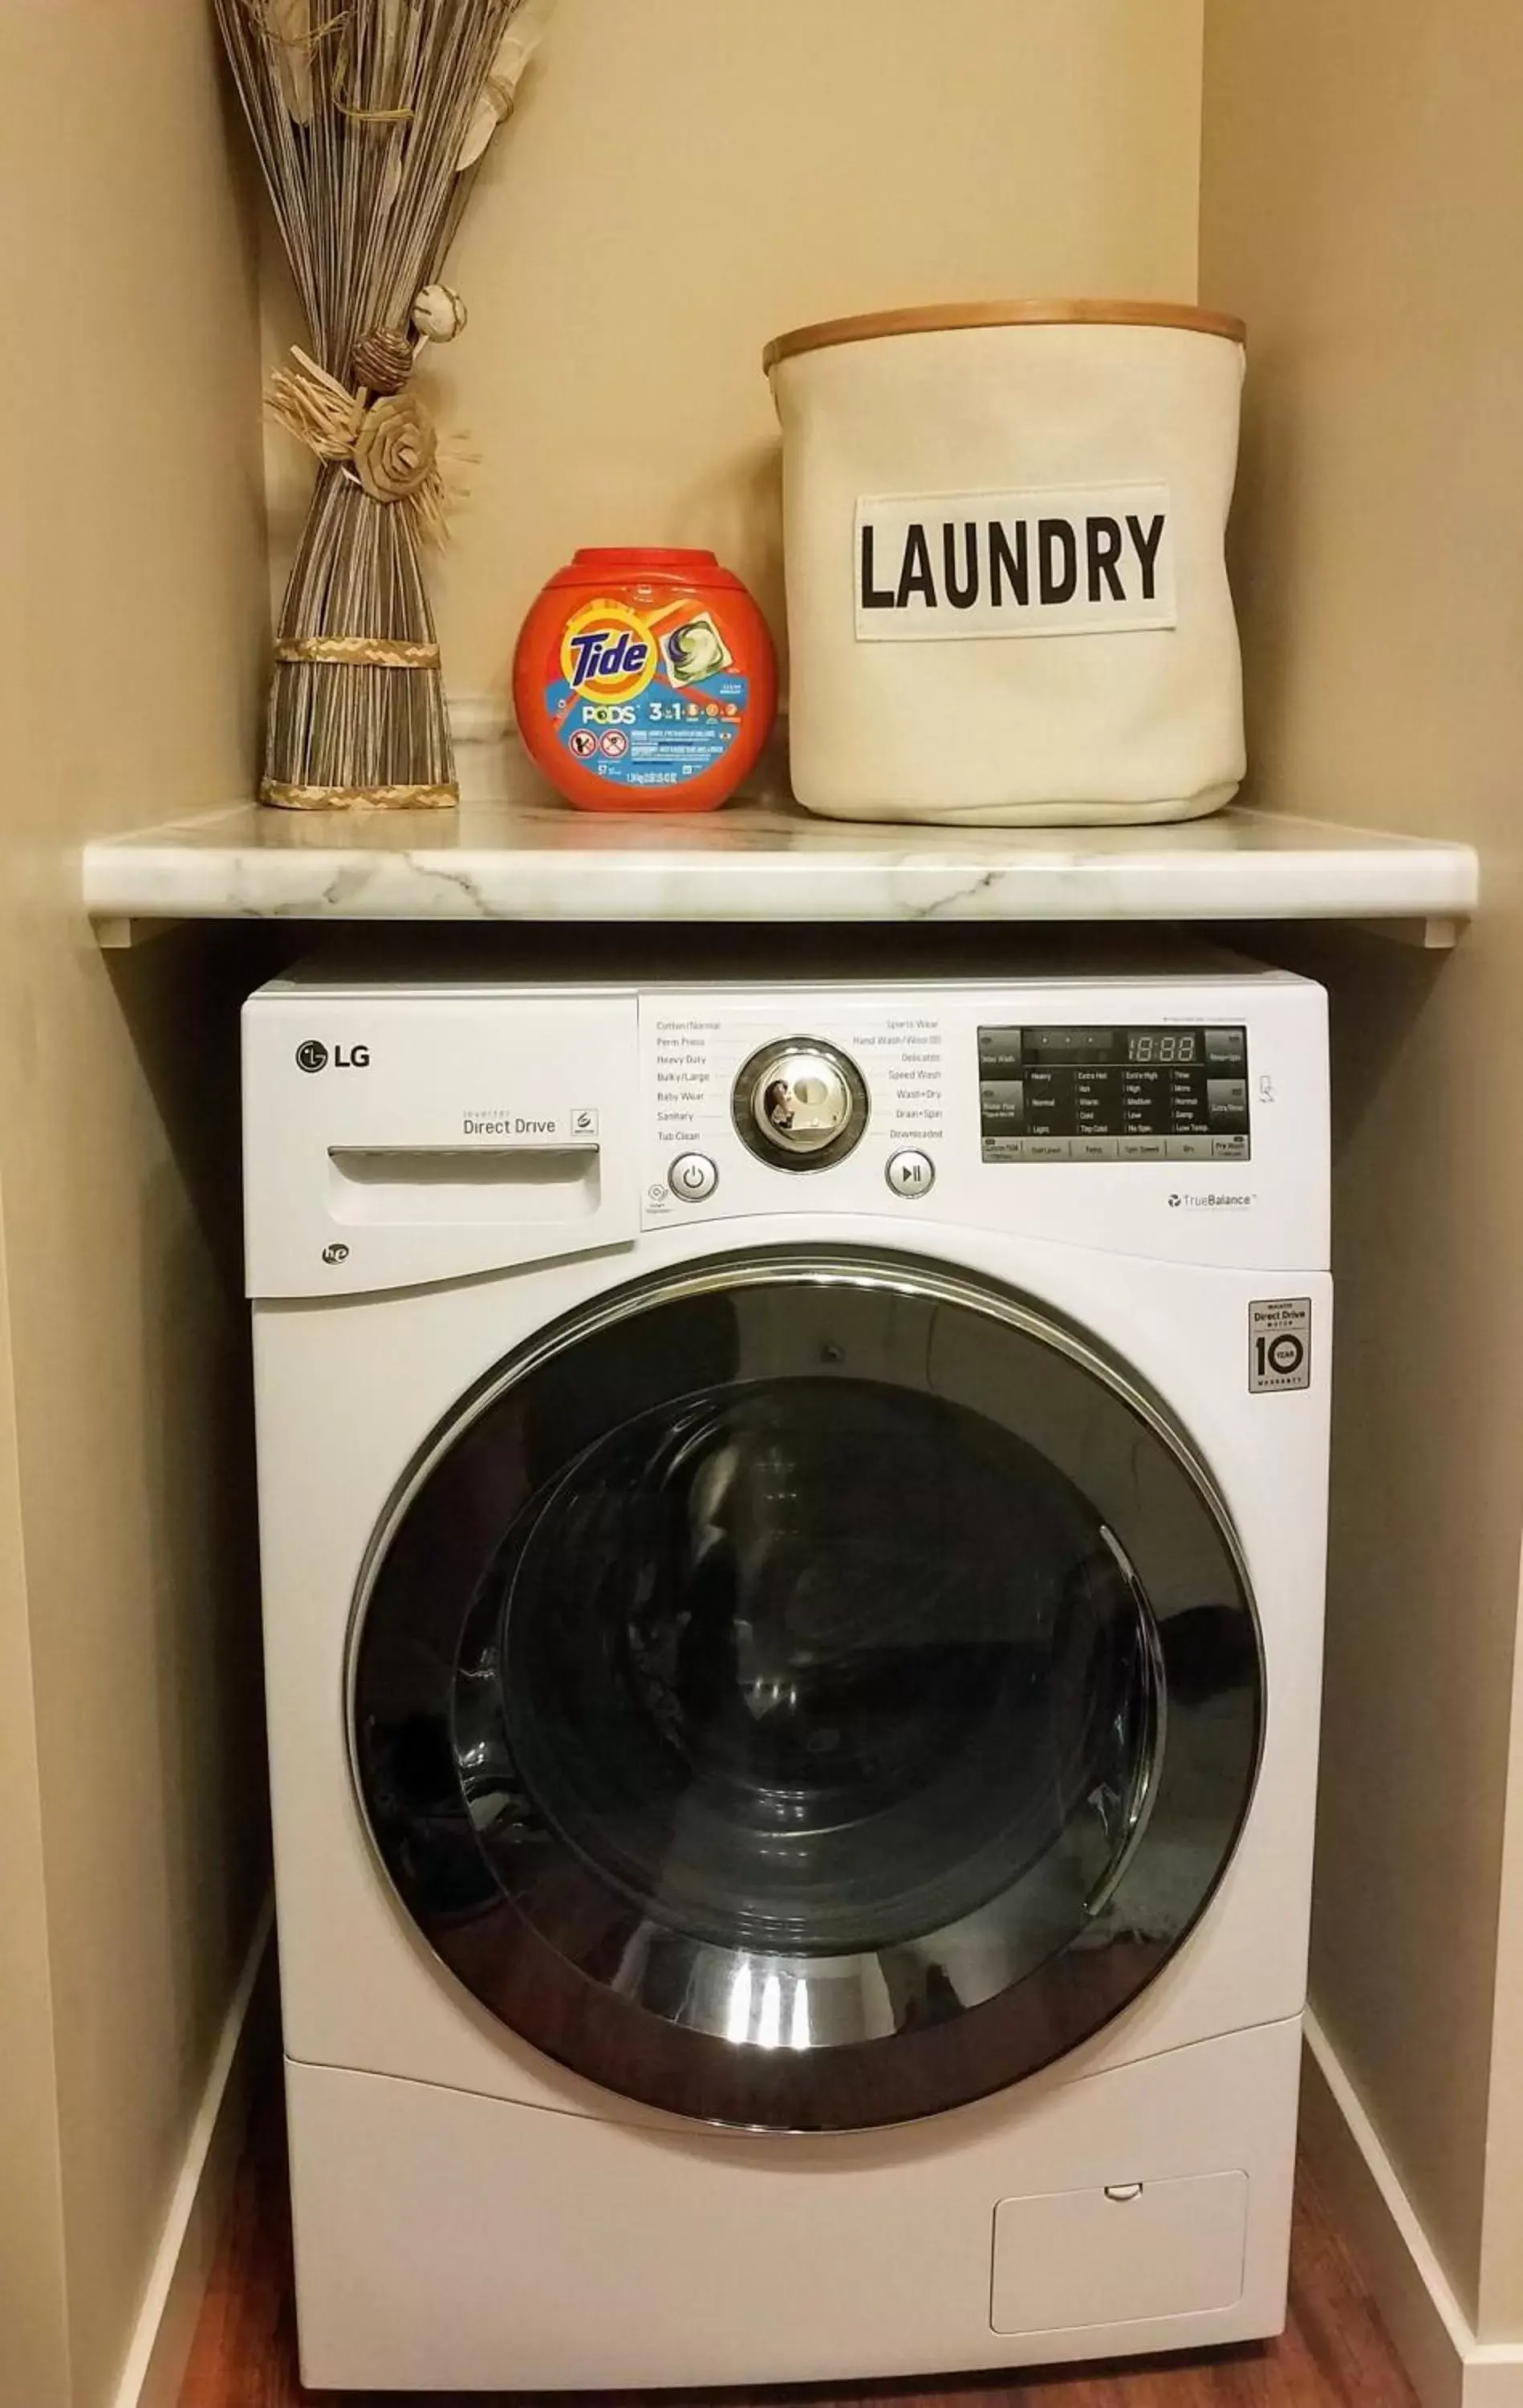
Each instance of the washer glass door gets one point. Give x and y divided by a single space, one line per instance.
807 1689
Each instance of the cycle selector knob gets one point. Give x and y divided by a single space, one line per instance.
800 1104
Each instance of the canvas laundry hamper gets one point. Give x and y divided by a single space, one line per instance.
1007 599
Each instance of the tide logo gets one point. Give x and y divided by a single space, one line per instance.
607 653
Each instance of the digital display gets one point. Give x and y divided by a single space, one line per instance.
1163 1044
1064 1094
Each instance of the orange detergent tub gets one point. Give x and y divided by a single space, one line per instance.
644 680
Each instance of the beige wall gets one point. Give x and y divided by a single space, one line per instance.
33 2327
681 183
132 629
1363 188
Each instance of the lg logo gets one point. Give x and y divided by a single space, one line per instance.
313 1055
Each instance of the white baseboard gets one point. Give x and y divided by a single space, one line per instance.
165 2326
1448 2367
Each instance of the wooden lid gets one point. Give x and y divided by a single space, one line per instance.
944 317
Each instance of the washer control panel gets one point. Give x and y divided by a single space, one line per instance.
799 1083
1055 1093
402 1131
1184 1117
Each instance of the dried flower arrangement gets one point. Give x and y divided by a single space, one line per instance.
369 118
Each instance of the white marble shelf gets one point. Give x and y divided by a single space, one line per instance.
536 860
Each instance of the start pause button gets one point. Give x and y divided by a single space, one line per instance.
910 1173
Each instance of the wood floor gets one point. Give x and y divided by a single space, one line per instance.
1333 2351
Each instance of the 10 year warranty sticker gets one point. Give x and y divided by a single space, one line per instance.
1280 1343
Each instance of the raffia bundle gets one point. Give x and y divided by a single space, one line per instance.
369 118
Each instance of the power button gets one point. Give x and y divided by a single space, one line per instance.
693 1178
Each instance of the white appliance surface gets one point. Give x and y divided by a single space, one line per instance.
440 1169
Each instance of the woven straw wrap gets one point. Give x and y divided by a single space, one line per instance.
361 112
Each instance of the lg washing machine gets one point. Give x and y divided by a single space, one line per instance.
793 1524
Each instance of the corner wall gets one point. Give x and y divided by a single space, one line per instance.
1362 191
133 624
33 2308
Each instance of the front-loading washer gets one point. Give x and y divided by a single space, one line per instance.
793 1522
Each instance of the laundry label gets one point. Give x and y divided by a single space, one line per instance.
1081 560
645 699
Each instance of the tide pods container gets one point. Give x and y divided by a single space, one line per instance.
1007 599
